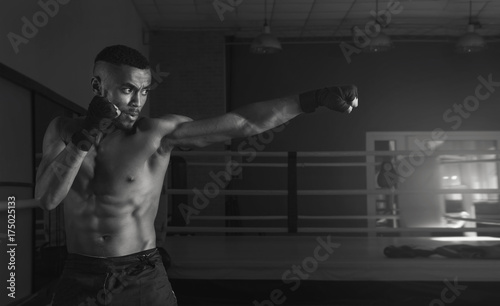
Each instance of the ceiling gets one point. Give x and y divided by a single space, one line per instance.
321 18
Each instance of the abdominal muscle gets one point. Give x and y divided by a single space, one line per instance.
109 227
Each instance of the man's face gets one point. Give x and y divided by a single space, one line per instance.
127 88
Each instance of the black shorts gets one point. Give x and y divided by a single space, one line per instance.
135 279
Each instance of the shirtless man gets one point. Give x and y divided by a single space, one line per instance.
108 168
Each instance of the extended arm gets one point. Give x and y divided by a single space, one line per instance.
246 121
258 117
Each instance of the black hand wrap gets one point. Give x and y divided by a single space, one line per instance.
338 98
100 114
99 119
83 140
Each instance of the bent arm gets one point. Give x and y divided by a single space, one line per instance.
58 168
246 121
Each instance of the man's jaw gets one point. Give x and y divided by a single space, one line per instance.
132 114
127 119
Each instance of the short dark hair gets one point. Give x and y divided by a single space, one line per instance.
122 55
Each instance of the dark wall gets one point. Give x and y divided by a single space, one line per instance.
189 74
406 89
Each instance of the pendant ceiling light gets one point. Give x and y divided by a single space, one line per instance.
470 41
265 43
381 42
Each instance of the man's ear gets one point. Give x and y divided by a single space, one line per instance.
95 82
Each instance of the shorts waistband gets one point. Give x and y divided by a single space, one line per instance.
145 255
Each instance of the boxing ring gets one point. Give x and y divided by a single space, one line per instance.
228 254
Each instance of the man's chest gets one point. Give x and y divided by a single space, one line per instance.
119 162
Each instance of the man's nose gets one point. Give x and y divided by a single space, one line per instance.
136 100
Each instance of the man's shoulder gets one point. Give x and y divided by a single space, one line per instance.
174 118
64 126
168 122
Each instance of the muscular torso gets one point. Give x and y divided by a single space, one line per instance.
111 206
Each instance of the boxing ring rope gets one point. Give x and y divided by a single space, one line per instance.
344 230
285 165
477 220
278 192
470 161
296 192
346 217
20 204
285 217
327 153
238 217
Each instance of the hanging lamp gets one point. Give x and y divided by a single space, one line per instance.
470 41
265 43
381 42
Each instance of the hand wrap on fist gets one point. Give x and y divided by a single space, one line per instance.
339 98
100 116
